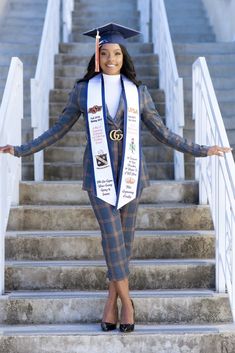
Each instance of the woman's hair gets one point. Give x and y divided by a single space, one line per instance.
127 69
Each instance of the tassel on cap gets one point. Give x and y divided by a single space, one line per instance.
97 54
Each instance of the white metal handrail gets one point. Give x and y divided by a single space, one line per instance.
169 78
144 10
43 81
67 8
216 177
11 113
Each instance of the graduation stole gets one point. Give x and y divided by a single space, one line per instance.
99 139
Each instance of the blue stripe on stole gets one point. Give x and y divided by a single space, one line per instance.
89 142
106 130
140 146
124 142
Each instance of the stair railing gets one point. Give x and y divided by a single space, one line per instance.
216 177
169 79
144 11
154 12
11 113
67 8
43 81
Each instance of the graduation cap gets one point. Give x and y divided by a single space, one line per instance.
109 33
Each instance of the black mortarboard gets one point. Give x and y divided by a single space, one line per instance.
112 33
109 33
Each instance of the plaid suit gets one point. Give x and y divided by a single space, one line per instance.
117 227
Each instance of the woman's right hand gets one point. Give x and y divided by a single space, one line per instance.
7 149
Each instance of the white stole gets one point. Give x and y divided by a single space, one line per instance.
106 190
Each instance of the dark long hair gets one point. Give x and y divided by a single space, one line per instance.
127 69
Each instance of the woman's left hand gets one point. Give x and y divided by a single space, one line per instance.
218 151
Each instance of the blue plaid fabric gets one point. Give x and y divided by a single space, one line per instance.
117 231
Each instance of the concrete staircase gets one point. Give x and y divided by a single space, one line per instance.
55 270
20 35
193 37
55 274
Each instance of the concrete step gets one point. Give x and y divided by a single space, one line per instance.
87 49
64 245
218 82
216 70
15 21
16 49
188 21
75 154
27 2
152 306
91 275
190 9
79 338
122 17
100 17
27 59
37 14
211 59
116 6
170 4
192 37
19 29
29 71
227 109
22 38
223 95
205 48
68 171
34 8
230 133
71 192
159 216
194 28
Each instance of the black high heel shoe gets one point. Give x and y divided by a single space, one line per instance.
107 326
128 327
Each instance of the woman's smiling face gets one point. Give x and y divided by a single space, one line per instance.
111 59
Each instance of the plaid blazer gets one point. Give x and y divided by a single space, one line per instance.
77 105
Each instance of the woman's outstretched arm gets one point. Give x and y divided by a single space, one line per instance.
66 120
155 125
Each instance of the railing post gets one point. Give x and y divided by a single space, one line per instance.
200 164
220 209
216 177
67 8
144 9
43 81
169 79
233 265
11 113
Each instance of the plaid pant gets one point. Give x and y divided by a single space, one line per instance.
117 231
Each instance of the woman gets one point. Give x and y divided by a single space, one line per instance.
113 104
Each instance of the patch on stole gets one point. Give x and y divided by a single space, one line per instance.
101 160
